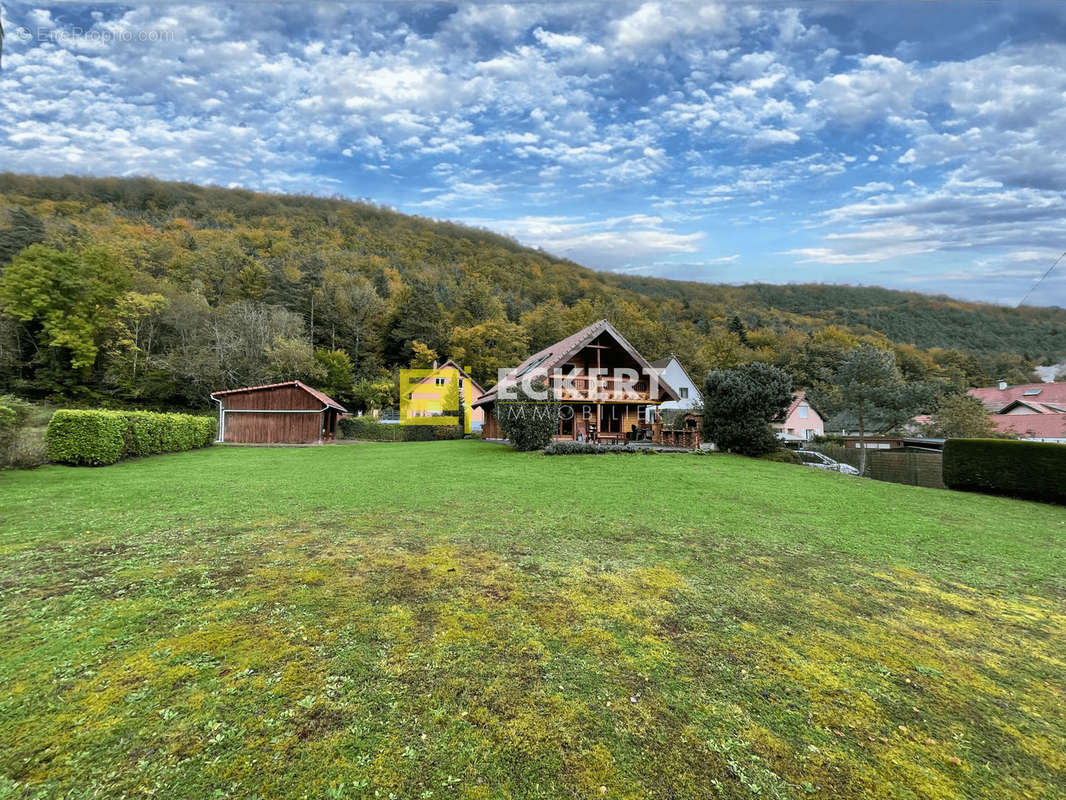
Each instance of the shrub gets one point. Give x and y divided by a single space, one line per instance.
430 433
103 437
14 414
85 437
21 433
527 422
783 456
589 448
1031 470
739 405
27 449
369 429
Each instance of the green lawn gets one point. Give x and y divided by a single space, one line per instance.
455 620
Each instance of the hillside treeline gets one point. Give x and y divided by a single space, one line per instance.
144 292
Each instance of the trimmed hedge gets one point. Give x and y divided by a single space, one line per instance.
103 437
782 456
587 448
567 448
1031 470
369 429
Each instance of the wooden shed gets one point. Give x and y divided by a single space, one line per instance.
291 413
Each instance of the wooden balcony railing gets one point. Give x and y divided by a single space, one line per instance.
603 388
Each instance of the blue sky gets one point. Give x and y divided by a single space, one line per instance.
915 145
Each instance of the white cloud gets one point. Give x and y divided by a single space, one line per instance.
873 187
696 109
606 243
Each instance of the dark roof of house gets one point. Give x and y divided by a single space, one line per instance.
663 363
557 354
321 396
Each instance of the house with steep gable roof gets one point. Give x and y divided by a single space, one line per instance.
603 384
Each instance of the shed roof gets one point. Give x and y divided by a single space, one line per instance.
324 398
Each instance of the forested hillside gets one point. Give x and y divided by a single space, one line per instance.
151 293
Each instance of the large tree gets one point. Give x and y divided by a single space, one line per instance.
960 416
739 405
489 347
73 298
868 387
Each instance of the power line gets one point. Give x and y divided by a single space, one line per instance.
1040 280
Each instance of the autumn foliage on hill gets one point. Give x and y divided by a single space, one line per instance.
143 292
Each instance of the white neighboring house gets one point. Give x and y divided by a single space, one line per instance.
675 376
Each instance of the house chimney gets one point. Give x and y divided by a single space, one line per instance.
435 366
1002 385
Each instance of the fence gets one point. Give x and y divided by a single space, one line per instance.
680 438
912 467
845 455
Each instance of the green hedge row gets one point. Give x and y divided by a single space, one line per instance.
104 437
591 449
566 448
370 429
1031 470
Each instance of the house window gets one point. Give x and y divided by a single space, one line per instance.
684 392
803 412
460 383
566 424
441 381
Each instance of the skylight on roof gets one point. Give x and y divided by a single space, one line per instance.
533 365
1031 392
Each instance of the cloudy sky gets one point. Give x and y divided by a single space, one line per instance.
916 145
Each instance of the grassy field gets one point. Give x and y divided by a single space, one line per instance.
455 620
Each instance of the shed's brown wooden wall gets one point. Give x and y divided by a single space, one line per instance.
273 428
283 397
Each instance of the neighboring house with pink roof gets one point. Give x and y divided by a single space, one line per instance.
1036 427
801 421
1035 411
997 398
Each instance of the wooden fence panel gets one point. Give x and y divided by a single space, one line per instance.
909 467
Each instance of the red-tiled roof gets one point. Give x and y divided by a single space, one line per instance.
557 354
995 399
797 398
1032 426
324 398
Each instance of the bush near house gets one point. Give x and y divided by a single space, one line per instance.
587 448
528 421
369 429
1031 470
94 438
